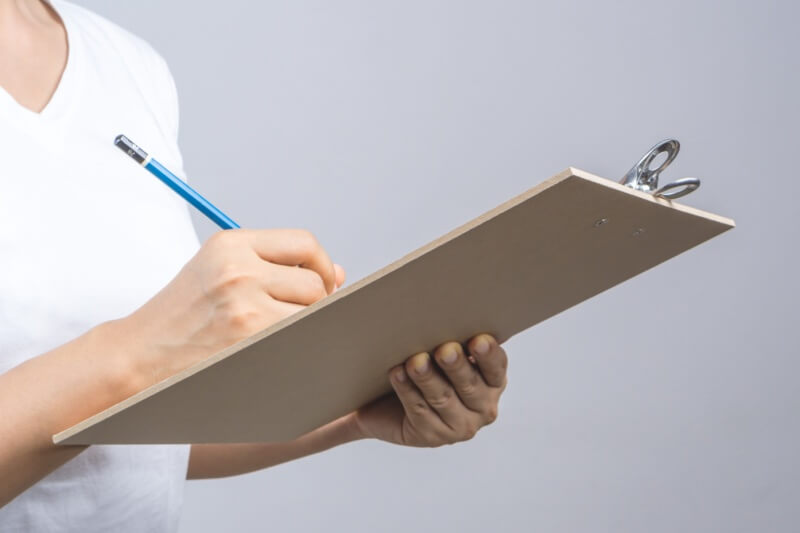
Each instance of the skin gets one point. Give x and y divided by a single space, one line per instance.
34 51
238 283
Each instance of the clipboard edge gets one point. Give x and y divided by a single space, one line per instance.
64 437
650 197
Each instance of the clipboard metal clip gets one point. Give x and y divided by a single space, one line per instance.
644 178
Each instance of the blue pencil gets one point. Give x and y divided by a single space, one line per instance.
174 182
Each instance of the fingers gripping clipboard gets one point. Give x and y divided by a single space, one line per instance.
561 242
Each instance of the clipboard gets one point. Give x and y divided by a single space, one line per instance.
565 240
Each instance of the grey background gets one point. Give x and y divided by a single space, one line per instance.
667 404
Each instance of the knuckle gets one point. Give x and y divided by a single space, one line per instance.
469 432
240 318
442 399
469 387
215 239
419 408
228 270
315 287
491 414
244 322
496 377
305 241
230 276
222 239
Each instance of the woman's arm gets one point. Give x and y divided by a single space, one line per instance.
55 390
238 283
221 460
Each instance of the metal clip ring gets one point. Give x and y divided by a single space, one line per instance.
684 186
643 178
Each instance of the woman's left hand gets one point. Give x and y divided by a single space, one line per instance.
441 399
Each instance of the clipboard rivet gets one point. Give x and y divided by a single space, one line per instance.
599 222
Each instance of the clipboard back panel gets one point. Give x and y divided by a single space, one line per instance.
552 247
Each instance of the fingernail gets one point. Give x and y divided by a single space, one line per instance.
481 346
449 355
400 375
420 363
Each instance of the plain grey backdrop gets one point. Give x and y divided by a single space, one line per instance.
669 403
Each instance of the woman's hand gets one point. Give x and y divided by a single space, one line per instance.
449 401
439 400
239 282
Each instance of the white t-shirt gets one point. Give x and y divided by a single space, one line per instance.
87 235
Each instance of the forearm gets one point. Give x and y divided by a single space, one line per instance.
220 460
221 296
53 391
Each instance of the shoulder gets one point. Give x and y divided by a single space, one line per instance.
101 32
146 66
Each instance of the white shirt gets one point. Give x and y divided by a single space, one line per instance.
87 235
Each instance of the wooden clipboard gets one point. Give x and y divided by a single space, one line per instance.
565 240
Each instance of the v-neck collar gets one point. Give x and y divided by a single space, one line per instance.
62 100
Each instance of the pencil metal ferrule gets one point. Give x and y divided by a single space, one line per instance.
132 149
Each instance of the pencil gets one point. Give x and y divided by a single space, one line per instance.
174 182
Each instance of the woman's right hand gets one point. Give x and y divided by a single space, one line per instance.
239 282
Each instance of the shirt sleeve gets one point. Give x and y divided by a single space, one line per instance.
168 98
162 94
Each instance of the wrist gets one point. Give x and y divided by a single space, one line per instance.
135 364
114 341
359 428
340 431
149 357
